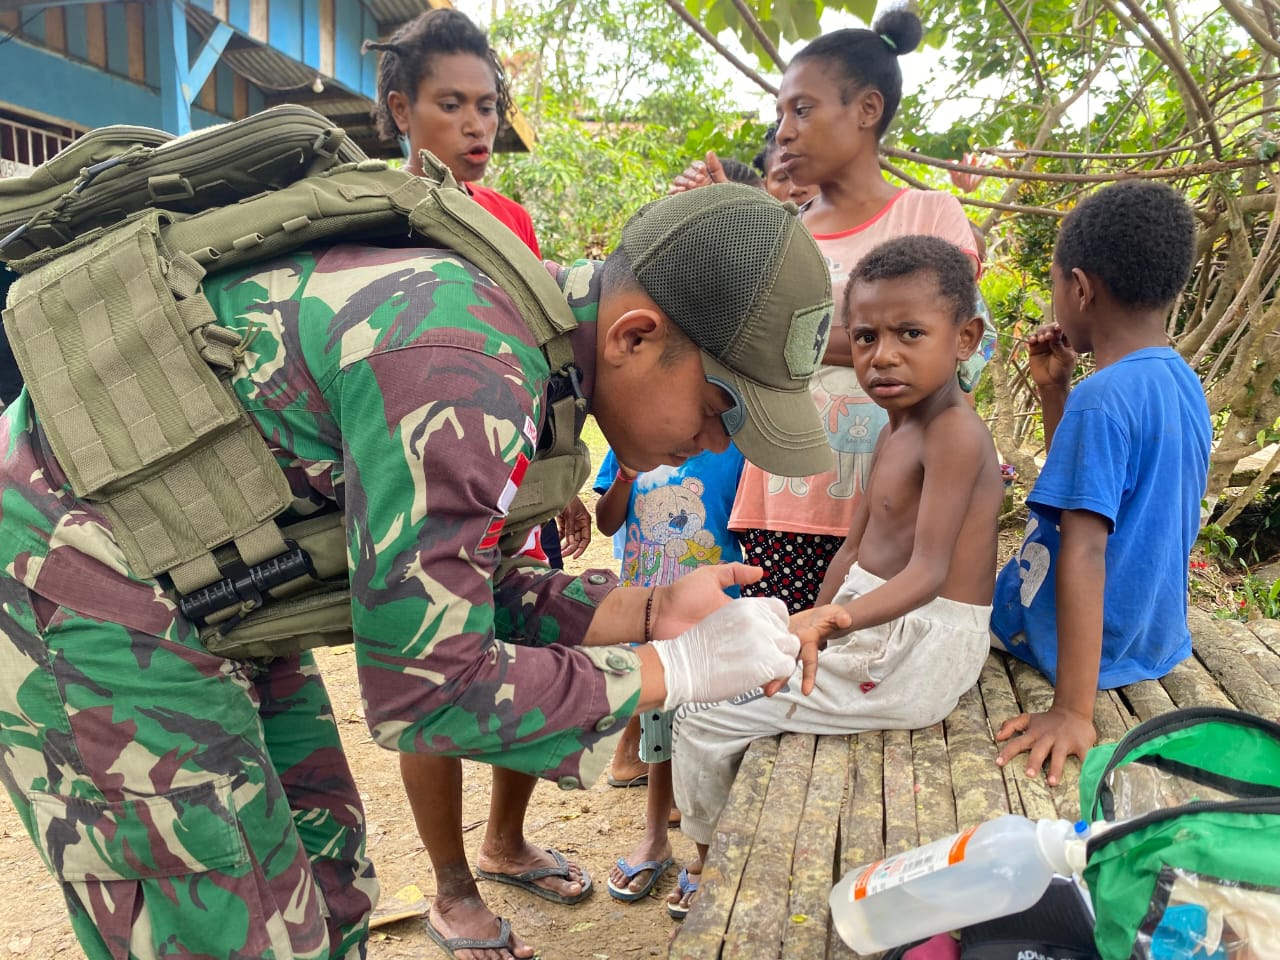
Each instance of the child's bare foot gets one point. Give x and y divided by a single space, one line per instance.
468 930
648 861
682 897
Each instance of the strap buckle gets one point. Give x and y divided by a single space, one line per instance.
246 587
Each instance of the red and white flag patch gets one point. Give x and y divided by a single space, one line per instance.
513 483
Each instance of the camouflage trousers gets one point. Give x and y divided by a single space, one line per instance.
190 806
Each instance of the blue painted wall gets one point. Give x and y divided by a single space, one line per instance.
62 86
79 93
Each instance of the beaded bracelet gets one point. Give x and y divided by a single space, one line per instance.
648 614
623 478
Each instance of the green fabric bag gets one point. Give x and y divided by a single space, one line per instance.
1188 863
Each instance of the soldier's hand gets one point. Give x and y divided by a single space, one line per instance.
698 174
741 646
574 524
684 603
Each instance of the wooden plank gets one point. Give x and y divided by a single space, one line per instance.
813 866
326 37
1111 716
1268 631
240 99
703 929
862 829
760 909
862 826
1190 685
95 26
934 796
1034 800
135 15
1236 675
1001 705
260 20
1257 654
976 781
55 29
1147 699
900 832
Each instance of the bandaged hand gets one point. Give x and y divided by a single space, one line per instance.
743 645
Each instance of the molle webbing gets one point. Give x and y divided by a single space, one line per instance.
111 173
136 415
129 370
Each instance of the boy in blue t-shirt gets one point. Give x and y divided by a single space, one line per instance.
1116 510
675 519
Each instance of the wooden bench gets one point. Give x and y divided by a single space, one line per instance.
805 809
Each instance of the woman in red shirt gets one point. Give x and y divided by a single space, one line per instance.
441 88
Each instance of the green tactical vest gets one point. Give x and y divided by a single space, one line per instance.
130 374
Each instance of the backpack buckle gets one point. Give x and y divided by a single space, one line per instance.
247 588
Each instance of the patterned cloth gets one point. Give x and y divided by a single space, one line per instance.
196 806
793 563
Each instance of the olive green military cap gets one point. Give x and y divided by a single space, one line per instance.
741 276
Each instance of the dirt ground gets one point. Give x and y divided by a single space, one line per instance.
594 827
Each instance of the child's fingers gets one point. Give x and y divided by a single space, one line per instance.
1010 727
808 662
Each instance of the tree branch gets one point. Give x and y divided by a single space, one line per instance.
696 26
1252 27
1005 154
1169 54
1162 173
1022 38
753 24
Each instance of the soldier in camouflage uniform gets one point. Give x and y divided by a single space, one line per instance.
191 805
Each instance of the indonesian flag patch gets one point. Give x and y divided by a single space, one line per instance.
494 531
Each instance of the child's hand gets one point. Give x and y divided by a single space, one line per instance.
574 524
1052 358
813 628
1054 735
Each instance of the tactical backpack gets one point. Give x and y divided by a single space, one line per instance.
1190 864
130 374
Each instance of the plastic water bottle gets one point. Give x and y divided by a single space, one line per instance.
997 868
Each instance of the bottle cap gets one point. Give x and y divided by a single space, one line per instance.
1055 838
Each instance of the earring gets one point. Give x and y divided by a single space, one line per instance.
404 145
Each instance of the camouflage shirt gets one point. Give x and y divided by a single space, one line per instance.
401 385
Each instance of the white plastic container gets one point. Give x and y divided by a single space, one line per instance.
992 870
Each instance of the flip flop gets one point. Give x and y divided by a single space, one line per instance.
658 868
451 945
640 781
527 880
686 885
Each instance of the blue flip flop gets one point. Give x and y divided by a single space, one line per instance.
657 868
686 885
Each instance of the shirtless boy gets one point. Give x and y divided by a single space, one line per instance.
917 570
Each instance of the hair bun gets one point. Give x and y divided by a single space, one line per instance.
901 30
